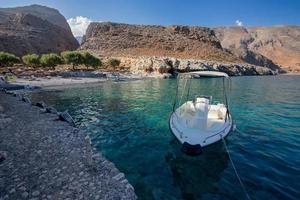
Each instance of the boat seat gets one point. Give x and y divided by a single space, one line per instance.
187 109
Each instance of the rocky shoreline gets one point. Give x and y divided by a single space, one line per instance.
170 65
42 157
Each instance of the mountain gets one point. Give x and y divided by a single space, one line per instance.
114 39
165 49
264 46
34 29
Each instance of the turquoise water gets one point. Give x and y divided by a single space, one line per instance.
128 122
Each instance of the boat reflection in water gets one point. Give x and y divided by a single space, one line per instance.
198 175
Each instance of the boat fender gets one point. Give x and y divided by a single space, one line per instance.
41 104
65 116
190 149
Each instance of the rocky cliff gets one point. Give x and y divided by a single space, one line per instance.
34 29
169 48
264 46
113 39
169 65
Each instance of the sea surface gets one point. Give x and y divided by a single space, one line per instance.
128 123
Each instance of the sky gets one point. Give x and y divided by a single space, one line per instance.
80 13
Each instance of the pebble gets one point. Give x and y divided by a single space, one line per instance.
13 190
3 156
25 194
119 176
36 193
22 188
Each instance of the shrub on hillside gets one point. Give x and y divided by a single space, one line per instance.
8 59
114 62
31 60
50 60
74 58
91 60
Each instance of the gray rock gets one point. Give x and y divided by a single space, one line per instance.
36 193
3 156
119 176
41 104
1 109
13 190
51 109
25 195
65 116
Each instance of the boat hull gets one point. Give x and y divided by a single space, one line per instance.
194 146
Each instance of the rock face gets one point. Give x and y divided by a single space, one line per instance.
264 46
113 39
34 29
160 48
169 65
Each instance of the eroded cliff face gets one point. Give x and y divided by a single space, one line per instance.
169 65
34 29
265 46
114 39
161 48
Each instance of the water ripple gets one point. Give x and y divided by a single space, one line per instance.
128 123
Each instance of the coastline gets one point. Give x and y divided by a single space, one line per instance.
46 161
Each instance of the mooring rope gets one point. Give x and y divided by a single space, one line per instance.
235 171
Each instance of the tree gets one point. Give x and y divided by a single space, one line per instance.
73 57
31 60
91 60
50 60
8 59
114 62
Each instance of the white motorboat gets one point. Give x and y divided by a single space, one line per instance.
200 122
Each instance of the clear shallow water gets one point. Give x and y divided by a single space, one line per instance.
128 122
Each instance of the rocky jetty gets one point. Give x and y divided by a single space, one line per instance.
168 65
34 29
42 157
273 47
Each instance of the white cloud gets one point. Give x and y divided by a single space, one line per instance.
79 25
239 23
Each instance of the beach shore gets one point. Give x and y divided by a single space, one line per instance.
42 157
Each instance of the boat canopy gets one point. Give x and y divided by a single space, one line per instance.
207 73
